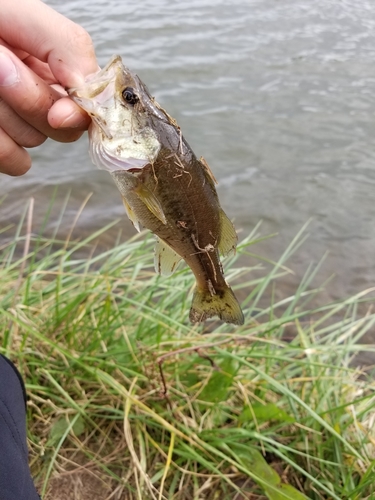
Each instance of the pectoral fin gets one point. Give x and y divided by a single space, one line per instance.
151 202
228 235
132 217
166 260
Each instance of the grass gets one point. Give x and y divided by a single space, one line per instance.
129 401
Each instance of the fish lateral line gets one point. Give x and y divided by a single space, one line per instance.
211 287
206 250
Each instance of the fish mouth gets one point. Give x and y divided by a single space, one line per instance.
98 90
99 87
96 83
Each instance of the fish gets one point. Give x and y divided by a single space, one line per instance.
164 186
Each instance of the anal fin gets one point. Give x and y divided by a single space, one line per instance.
166 260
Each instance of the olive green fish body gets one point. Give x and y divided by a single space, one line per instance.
165 188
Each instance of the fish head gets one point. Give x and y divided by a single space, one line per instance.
123 134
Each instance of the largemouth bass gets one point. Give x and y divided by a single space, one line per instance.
165 188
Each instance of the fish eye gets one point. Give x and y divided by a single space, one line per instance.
130 96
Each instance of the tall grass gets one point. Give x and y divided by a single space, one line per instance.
129 396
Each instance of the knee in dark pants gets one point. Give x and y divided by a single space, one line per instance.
15 478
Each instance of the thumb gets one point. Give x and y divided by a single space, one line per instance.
52 38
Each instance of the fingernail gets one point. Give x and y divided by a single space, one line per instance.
8 71
73 121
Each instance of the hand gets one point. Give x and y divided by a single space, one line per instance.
41 53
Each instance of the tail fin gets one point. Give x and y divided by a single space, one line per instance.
223 304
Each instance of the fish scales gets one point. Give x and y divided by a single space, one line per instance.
164 186
187 230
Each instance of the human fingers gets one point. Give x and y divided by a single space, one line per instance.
31 98
51 37
39 67
14 160
66 114
21 132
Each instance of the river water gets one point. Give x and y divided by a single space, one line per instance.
278 96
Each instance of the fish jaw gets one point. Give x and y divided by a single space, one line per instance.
120 134
99 88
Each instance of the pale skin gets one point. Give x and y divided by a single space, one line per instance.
41 54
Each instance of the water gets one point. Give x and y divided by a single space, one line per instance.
279 97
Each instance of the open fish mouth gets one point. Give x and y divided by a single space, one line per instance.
96 84
98 92
117 126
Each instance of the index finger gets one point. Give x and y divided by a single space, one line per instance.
31 98
44 33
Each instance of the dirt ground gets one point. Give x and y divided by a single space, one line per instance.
87 481
81 485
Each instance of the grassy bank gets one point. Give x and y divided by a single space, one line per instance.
129 401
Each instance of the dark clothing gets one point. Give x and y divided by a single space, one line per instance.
15 478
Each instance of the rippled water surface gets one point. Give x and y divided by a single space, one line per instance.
278 96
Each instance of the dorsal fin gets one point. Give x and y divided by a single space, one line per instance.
228 235
209 175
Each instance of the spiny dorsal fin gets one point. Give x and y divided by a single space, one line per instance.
151 202
228 235
166 260
132 217
211 178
